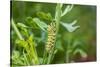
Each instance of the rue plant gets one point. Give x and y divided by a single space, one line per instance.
26 38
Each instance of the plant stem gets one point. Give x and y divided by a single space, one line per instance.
16 30
58 16
44 57
34 53
26 59
67 54
68 51
50 57
32 50
57 20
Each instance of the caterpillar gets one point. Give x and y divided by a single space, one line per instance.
51 37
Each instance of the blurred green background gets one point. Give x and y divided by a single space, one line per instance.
85 35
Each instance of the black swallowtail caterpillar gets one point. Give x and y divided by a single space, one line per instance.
51 36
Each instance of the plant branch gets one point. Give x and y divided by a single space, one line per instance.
57 20
58 16
16 30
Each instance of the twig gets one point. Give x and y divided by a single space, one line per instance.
16 30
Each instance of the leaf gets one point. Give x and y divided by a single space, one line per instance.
22 43
30 23
67 9
69 50
16 58
22 25
36 23
25 32
40 23
26 60
82 52
15 54
76 43
23 29
32 50
43 15
69 26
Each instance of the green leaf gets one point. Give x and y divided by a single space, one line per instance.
45 16
69 26
16 58
76 43
22 43
22 25
40 23
67 9
81 52
15 54
30 23
32 49
26 60
24 30
36 23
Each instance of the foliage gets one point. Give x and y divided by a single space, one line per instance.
41 35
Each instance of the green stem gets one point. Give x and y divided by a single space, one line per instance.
57 20
36 60
44 57
58 16
16 30
50 57
67 54
26 59
32 50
